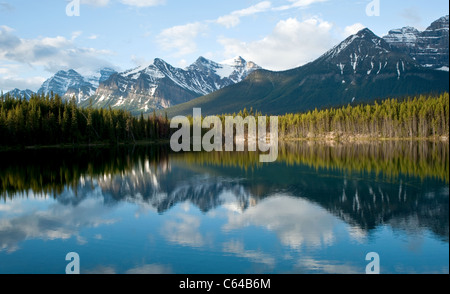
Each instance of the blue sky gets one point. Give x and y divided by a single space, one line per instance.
38 38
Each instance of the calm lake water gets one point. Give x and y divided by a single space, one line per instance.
318 209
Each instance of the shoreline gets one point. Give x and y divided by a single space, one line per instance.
83 145
362 139
327 139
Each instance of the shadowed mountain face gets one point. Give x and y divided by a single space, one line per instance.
361 184
362 68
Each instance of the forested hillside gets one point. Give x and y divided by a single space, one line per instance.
48 120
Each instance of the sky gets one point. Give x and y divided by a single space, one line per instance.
39 38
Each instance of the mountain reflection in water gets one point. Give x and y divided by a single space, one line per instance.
306 198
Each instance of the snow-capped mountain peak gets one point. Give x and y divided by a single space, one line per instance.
362 44
70 83
366 54
21 93
240 63
61 82
429 48
161 85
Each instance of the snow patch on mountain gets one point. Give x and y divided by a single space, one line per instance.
21 93
160 85
406 36
444 68
68 84
429 48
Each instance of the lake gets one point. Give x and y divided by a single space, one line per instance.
320 209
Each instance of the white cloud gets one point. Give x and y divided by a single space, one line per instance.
292 43
11 82
19 58
76 35
181 38
136 3
183 63
298 4
233 19
353 29
229 20
10 77
143 3
51 53
140 60
95 2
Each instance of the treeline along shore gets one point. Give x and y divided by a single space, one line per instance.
421 117
47 120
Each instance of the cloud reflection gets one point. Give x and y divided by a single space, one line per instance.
57 221
184 230
146 269
296 221
238 248
328 267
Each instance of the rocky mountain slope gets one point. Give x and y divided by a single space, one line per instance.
161 85
429 48
70 83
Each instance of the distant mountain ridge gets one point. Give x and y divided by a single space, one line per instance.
160 85
145 88
21 93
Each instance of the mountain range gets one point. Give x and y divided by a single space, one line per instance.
161 85
361 68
